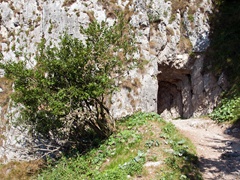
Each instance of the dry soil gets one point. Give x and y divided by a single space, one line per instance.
217 146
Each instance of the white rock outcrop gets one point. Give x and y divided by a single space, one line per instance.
172 44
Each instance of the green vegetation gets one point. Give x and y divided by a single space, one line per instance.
62 96
140 138
228 110
153 17
223 56
182 165
190 17
21 170
50 28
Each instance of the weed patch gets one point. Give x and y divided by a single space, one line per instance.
20 170
182 164
228 110
140 138
223 57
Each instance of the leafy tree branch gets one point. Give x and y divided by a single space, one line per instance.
62 96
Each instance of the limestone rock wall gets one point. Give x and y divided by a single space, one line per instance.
173 41
172 37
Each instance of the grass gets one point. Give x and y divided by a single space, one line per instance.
139 139
182 165
223 57
20 170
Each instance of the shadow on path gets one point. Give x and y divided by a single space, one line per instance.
217 146
227 164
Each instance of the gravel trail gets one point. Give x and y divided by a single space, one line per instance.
218 147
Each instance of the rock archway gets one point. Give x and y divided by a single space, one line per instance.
169 96
174 92
184 89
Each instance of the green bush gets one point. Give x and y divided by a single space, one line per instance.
223 55
228 110
62 96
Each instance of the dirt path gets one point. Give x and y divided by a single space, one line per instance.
218 147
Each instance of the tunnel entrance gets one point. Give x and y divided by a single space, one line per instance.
169 98
174 98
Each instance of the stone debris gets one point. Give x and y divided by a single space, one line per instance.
153 164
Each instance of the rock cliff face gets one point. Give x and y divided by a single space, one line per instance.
172 37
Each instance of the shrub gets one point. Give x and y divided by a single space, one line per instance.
62 96
227 110
223 56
